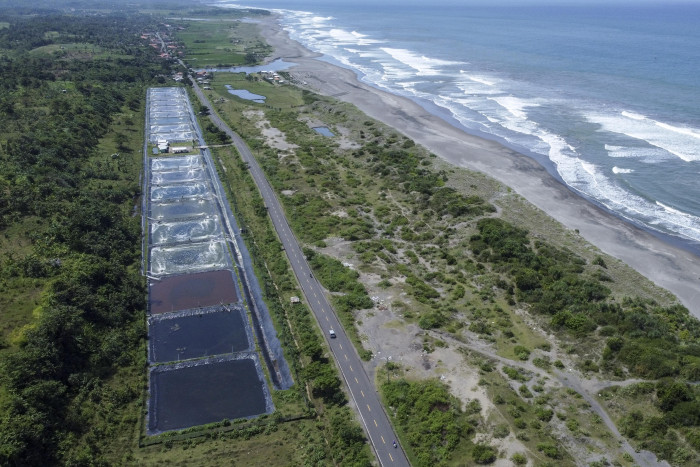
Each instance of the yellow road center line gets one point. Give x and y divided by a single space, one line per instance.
382 439
346 356
363 394
357 380
392 459
351 369
375 423
369 408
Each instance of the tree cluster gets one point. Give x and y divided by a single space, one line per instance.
90 322
650 340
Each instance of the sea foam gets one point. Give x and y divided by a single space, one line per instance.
618 170
422 64
682 142
478 78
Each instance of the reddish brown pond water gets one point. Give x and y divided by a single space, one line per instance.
189 291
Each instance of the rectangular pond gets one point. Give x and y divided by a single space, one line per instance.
169 113
188 291
176 163
185 231
178 176
172 136
177 336
192 190
186 208
200 391
196 257
323 130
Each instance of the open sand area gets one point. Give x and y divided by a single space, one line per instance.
670 267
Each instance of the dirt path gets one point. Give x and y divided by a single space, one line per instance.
569 379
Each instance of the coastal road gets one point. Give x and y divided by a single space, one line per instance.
362 392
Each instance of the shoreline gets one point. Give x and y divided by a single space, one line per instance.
667 265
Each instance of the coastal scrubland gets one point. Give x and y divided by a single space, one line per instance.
473 267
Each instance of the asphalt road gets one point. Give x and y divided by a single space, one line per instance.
361 390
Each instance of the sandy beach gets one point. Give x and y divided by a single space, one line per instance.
668 266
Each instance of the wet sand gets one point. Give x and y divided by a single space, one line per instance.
668 266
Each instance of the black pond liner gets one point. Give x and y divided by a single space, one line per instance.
199 333
198 392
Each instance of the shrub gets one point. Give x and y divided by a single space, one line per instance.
542 363
544 414
550 450
524 391
431 320
523 353
483 454
501 431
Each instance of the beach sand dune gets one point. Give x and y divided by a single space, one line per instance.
670 267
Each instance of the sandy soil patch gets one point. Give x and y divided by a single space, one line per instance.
273 137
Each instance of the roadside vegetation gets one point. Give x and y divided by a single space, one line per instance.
317 382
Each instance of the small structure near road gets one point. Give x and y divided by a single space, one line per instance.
163 145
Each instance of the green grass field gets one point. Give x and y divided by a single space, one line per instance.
220 43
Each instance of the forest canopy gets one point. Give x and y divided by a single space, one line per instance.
66 83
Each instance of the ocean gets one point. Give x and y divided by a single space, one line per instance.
607 98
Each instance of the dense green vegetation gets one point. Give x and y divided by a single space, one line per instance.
649 340
431 420
664 417
70 133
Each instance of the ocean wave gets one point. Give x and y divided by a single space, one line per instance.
479 79
514 105
343 37
320 19
632 115
628 205
422 64
682 142
645 154
495 104
618 170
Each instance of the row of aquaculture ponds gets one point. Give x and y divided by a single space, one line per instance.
205 305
